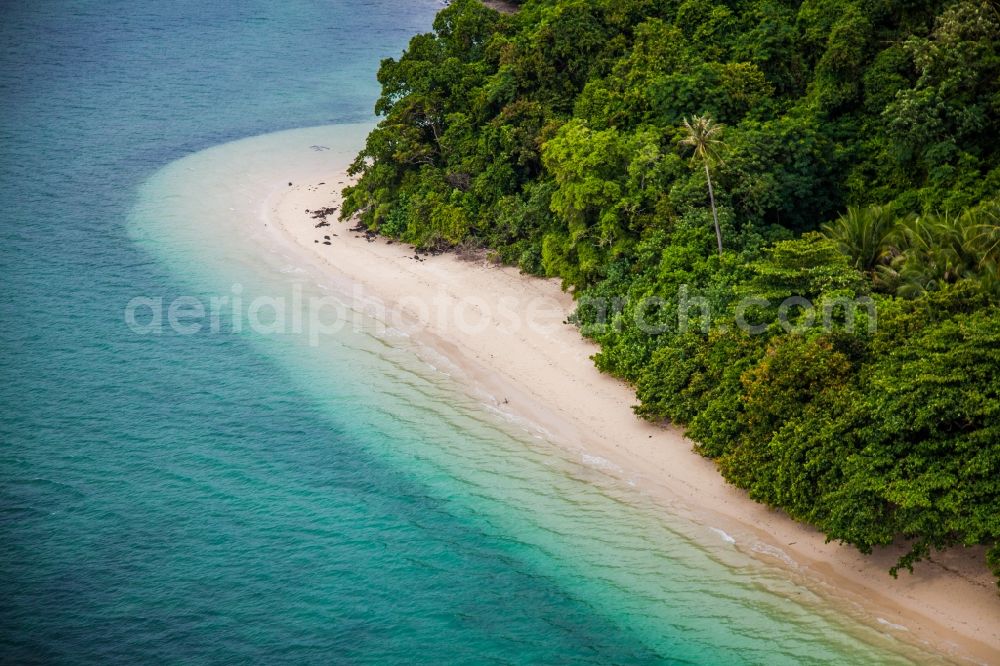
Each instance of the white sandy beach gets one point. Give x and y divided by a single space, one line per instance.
538 368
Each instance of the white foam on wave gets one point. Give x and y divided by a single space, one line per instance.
773 551
391 332
599 462
892 625
725 536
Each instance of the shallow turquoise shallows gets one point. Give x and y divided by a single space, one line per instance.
239 497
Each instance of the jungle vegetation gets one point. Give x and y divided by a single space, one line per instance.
658 153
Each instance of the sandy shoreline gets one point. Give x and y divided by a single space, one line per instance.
538 368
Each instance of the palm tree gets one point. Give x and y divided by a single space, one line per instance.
938 249
928 252
702 134
867 235
928 260
981 236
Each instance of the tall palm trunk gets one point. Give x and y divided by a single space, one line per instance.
715 215
702 134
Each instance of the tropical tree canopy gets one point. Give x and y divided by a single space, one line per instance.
860 174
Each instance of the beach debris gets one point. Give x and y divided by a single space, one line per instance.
327 243
322 214
360 228
319 148
289 183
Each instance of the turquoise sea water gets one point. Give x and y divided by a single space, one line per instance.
224 497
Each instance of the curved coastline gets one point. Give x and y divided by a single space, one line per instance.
541 380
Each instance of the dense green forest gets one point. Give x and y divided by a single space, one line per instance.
853 149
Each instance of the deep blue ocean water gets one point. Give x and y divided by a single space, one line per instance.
224 498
